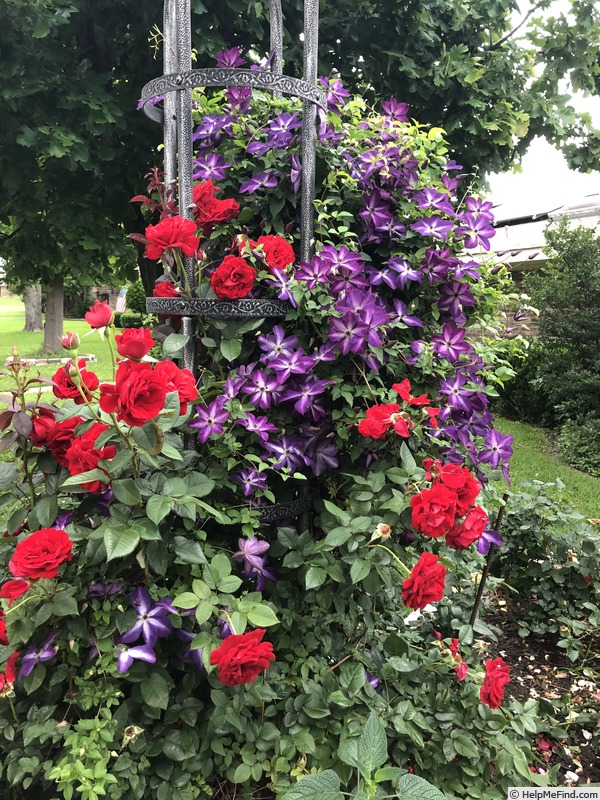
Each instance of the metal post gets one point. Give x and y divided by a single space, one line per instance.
309 130
488 562
276 18
171 63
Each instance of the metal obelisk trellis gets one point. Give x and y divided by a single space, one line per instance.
176 116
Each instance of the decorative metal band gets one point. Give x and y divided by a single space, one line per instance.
281 511
228 76
248 308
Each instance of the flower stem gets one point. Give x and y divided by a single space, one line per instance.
401 566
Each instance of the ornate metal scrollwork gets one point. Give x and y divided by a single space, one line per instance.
280 511
248 308
227 76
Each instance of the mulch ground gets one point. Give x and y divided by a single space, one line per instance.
541 671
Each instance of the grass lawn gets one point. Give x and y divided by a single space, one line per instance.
29 345
534 458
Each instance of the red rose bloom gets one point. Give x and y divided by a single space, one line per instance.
497 675
43 423
433 510
469 530
403 389
165 289
171 232
65 387
137 396
233 279
83 456
100 315
10 672
278 253
61 438
12 590
3 637
210 211
467 494
134 343
242 657
41 554
426 582
177 380
378 420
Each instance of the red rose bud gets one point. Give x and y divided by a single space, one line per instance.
497 675
100 315
67 382
426 582
134 343
71 369
70 341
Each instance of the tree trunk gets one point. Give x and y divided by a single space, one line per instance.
54 316
33 308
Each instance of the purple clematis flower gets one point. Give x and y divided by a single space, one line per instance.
395 110
487 539
497 449
304 393
476 230
229 57
250 480
262 389
63 520
295 173
450 343
276 344
32 656
239 98
152 622
261 180
401 316
454 297
348 333
254 564
259 425
458 396
404 271
477 205
289 453
435 226
314 272
431 198
190 653
281 283
295 363
127 655
371 679
105 590
335 93
210 419
211 166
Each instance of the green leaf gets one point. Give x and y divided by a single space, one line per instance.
411 787
371 747
174 344
231 348
186 600
204 611
34 680
187 551
402 664
198 484
155 691
342 516
407 458
127 492
359 570
158 507
262 616
315 577
9 475
229 584
120 542
322 786
242 773
46 510
337 537
465 746
348 751
85 477
148 437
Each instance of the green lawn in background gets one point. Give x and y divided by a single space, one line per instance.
29 345
534 458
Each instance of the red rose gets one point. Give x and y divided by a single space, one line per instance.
171 232
100 315
469 530
12 590
177 380
459 479
10 671
497 675
3 637
210 211
165 289
433 510
278 253
426 582
61 438
233 279
43 423
403 389
134 343
137 396
41 554
83 456
65 386
378 420
241 658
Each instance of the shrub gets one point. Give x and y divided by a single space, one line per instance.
130 319
579 444
136 298
118 319
550 561
524 397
